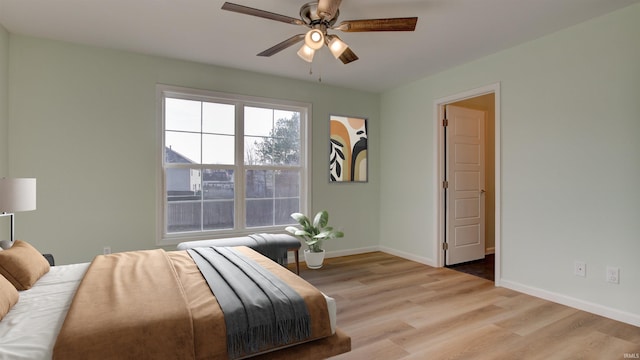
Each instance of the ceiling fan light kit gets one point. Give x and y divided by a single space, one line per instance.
320 16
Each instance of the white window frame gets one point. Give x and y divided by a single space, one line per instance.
163 238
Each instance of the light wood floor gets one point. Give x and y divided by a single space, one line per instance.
398 309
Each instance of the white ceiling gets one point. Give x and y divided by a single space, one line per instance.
448 33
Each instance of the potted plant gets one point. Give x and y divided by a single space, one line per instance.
313 234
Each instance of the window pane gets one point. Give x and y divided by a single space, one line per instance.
259 212
259 184
183 184
218 118
183 200
287 139
283 114
218 184
218 215
258 121
287 183
265 209
182 148
218 149
280 146
284 209
183 216
182 115
256 151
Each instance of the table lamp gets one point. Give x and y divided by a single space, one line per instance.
16 195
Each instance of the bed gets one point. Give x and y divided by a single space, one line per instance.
37 326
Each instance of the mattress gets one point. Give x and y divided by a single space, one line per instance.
30 329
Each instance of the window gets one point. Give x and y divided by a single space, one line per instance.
231 165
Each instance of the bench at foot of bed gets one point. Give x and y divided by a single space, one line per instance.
274 246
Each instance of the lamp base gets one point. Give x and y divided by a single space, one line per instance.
6 244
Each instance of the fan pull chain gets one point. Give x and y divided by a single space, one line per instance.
311 72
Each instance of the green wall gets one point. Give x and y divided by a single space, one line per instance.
83 122
5 223
570 161
4 100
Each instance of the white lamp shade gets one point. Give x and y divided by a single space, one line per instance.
336 46
306 53
17 195
314 39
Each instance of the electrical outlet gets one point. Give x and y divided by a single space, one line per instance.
613 275
106 250
580 268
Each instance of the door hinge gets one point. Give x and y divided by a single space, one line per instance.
445 122
445 246
445 184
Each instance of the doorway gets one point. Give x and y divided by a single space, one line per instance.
483 268
478 191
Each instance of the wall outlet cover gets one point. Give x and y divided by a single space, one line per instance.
613 275
580 268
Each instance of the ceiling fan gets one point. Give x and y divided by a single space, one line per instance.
320 16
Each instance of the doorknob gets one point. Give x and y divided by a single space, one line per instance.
482 191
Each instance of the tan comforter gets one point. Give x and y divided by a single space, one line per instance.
156 305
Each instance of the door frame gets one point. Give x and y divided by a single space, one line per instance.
439 172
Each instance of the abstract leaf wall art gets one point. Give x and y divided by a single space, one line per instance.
348 149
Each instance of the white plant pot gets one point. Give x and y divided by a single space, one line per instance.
314 259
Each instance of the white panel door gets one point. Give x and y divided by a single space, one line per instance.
465 175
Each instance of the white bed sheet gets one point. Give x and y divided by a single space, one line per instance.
30 329
333 310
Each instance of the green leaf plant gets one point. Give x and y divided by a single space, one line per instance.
314 233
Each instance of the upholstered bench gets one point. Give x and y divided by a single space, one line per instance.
274 246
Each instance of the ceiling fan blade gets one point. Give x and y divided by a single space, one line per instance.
283 45
327 9
348 56
261 13
391 24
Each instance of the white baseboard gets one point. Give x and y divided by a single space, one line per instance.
409 256
363 250
331 254
618 315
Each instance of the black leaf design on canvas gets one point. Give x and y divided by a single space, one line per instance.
334 164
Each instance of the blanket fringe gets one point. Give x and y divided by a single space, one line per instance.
261 337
